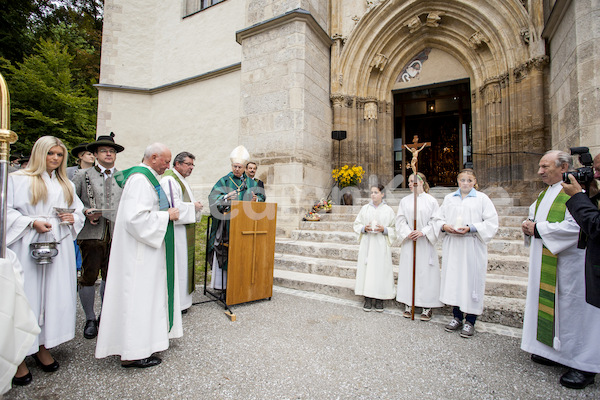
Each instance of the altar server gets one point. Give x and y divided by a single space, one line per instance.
469 221
374 225
427 282
34 194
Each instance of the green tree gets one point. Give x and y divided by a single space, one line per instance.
46 100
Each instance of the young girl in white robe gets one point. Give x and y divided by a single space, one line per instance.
427 277
469 219
374 225
33 194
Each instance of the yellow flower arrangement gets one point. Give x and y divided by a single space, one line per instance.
348 176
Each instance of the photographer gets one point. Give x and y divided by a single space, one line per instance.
587 215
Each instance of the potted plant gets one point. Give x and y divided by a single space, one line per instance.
347 176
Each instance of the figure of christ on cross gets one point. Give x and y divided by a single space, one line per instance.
415 150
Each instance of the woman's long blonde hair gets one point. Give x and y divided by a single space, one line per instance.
37 166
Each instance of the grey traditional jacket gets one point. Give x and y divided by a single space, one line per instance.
92 190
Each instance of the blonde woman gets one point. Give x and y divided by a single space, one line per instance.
33 194
427 282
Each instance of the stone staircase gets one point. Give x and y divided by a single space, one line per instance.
321 257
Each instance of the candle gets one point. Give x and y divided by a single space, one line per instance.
373 226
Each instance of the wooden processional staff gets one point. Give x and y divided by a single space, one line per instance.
415 148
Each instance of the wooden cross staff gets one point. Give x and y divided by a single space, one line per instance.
413 166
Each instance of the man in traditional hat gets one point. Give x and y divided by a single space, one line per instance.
85 159
100 194
180 195
141 307
559 327
234 186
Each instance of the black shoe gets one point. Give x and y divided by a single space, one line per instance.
379 305
22 381
151 361
185 311
46 368
576 379
368 305
544 361
91 329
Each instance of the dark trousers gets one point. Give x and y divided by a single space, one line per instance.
471 318
94 254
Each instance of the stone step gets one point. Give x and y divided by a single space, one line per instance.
498 309
353 210
504 232
503 220
514 267
394 199
334 251
350 237
318 266
344 246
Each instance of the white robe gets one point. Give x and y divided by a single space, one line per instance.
427 283
464 257
187 215
61 275
577 322
18 324
135 314
374 273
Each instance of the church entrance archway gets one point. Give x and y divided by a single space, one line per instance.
439 114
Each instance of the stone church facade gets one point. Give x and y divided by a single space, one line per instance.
490 84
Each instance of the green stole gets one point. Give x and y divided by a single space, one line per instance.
190 233
121 177
546 306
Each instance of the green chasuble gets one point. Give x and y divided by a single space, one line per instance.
190 234
219 209
546 306
121 177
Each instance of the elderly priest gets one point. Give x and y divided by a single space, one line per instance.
141 302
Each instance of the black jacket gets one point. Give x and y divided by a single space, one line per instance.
587 216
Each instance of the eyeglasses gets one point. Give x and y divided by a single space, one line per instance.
110 151
189 164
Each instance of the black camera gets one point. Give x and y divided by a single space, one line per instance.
585 174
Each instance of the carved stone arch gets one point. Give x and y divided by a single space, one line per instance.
384 27
501 111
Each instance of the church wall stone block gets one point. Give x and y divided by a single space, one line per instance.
574 77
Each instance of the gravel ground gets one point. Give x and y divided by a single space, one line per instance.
305 346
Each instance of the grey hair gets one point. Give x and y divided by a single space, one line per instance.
154 148
179 158
561 157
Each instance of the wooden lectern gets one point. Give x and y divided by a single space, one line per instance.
251 251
